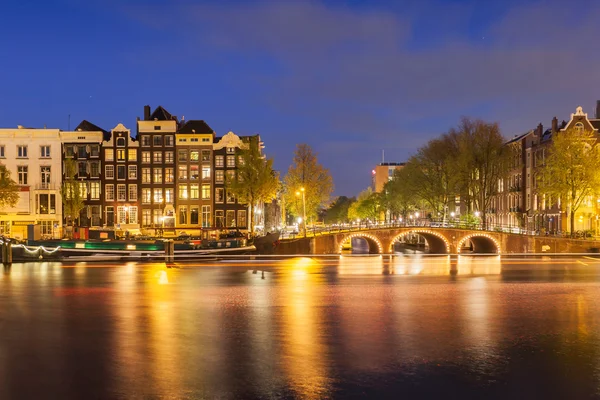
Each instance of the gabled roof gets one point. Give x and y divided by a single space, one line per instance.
87 126
516 138
195 126
161 114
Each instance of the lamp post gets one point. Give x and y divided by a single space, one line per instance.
303 208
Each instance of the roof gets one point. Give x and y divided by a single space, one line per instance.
87 126
595 123
195 126
518 137
161 114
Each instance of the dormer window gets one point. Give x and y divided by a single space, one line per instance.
579 127
121 142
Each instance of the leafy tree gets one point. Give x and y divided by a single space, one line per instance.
367 206
9 190
398 195
256 181
73 201
307 173
337 212
571 169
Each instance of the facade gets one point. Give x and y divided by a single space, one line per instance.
156 137
382 173
84 147
34 158
194 178
120 182
229 213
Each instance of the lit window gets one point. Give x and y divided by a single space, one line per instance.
183 192
206 191
169 157
109 192
158 196
132 171
132 192
109 171
132 154
158 157
109 155
219 161
121 193
194 191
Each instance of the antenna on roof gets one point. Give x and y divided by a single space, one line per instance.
382 156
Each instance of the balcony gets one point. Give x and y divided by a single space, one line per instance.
46 186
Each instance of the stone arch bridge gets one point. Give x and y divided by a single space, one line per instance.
439 240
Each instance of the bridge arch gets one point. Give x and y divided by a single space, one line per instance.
375 246
482 243
438 244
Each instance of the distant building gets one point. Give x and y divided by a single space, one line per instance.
383 173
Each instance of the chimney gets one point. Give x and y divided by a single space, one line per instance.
597 109
554 124
540 129
146 113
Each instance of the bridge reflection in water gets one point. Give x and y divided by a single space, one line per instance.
419 265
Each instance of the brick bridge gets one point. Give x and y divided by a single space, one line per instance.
440 241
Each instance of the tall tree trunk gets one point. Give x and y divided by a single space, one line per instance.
251 227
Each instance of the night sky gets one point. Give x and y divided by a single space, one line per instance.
350 78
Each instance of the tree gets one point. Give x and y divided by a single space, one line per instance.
480 162
72 199
571 169
366 206
337 212
9 190
307 173
398 194
255 181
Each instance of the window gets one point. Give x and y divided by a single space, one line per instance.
81 151
219 176
22 151
157 217
231 161
182 155
95 169
194 191
95 152
206 191
109 155
219 195
95 191
120 154
132 154
81 169
146 175
182 173
146 217
146 140
158 196
132 171
241 222
194 172
46 204
168 157
183 215
157 127
205 172
109 192
45 175
95 211
169 140
157 139
109 171
230 197
2 152
194 155
169 197
230 150
121 172
183 192
83 192
22 174
146 157
69 151
206 216
205 155
146 196
120 142
121 215
193 139
205 139
133 192
110 216
219 161
158 178
579 127
45 151
230 176
182 140
158 157
133 211
194 215
230 218
169 175
219 219
121 193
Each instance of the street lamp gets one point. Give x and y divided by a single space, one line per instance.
303 208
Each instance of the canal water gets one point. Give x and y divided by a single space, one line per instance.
343 327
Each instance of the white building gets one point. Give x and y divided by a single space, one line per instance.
33 156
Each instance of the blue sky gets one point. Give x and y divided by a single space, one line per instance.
350 78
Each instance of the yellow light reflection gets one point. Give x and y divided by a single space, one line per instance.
357 265
474 265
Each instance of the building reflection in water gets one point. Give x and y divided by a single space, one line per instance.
303 349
